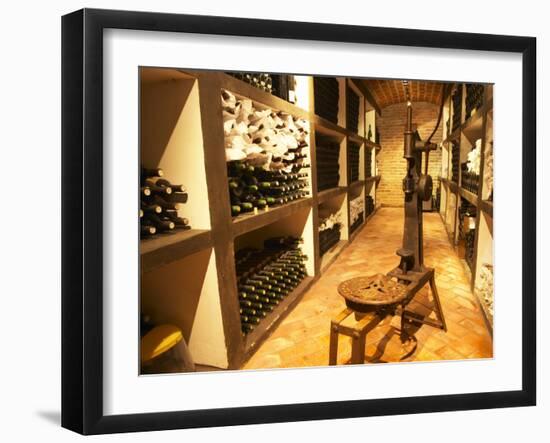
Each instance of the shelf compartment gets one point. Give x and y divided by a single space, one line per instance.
248 222
328 194
243 89
171 137
185 293
330 159
166 248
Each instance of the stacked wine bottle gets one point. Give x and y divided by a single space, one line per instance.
474 98
329 230
353 161
469 180
266 153
357 213
265 277
328 166
368 161
252 187
457 107
470 241
259 80
455 160
352 110
159 204
466 209
369 209
327 95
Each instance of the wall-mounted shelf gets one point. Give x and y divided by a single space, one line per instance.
166 248
217 300
477 126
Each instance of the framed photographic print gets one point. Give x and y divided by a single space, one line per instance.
273 221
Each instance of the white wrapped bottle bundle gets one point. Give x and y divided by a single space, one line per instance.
249 131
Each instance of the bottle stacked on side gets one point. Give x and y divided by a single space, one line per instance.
470 240
327 95
357 213
466 216
259 80
265 277
267 155
328 166
470 180
251 187
474 98
455 159
160 201
368 161
329 230
352 110
457 107
353 161
370 205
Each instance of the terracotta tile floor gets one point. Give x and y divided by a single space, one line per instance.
302 338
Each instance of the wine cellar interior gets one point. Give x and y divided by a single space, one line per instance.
261 193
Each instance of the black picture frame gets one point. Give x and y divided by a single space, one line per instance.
82 235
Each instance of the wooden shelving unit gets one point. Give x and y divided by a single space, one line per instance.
191 150
474 127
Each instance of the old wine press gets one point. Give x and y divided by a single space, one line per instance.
374 298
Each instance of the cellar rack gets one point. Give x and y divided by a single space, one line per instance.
477 126
214 242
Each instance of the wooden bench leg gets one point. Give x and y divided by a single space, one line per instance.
333 350
358 348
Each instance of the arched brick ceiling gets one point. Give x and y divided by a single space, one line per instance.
390 92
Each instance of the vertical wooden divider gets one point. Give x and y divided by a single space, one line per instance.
220 213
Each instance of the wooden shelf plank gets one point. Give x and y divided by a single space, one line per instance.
255 338
328 194
328 128
470 196
244 89
166 248
450 184
356 138
356 183
487 207
249 222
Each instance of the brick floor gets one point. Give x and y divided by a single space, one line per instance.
302 338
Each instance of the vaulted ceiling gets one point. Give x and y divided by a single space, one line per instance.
390 92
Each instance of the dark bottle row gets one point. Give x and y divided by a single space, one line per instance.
455 161
357 222
368 163
437 198
328 166
353 161
266 276
326 98
160 201
253 187
352 110
369 209
280 85
466 209
328 238
469 180
457 107
469 239
474 98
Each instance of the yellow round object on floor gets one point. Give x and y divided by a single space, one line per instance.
159 340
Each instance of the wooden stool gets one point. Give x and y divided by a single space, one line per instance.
357 332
